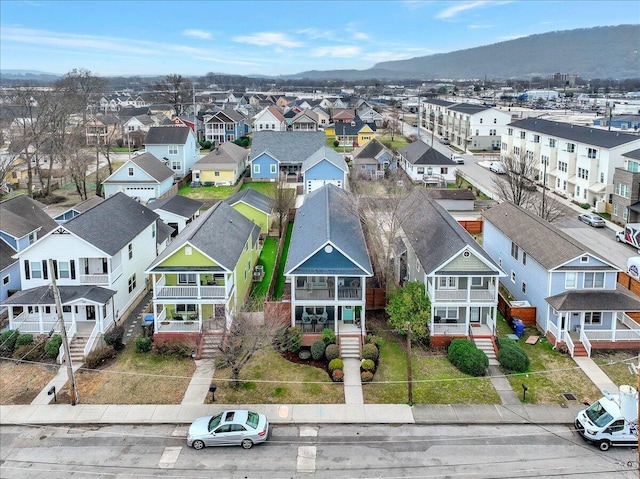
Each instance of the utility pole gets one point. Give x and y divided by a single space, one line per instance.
544 187
419 116
65 340
409 374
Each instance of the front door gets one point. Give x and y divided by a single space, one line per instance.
474 315
91 313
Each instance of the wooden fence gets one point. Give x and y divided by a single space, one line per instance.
376 298
472 226
526 313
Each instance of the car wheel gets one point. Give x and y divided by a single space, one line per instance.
197 445
246 443
618 238
604 445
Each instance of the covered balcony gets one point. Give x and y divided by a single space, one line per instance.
192 286
463 289
99 271
189 318
328 288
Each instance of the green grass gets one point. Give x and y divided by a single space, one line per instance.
268 259
615 364
398 141
280 279
204 192
265 187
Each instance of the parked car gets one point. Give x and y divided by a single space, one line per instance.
414 124
445 141
458 159
238 427
592 219
497 167
139 152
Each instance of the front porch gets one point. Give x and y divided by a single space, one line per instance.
189 318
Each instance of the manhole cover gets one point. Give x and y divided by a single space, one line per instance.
570 396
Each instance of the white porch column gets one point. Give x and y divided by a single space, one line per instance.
73 314
335 288
468 289
614 324
293 313
154 288
40 318
200 316
363 326
100 318
10 311
198 291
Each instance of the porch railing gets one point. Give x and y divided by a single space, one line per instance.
553 329
190 292
94 279
585 342
178 327
491 324
570 345
629 322
613 334
457 329
461 295
34 326
93 337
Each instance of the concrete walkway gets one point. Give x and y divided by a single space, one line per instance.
59 380
503 387
198 388
352 382
596 375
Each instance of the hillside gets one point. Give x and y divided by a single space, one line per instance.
600 52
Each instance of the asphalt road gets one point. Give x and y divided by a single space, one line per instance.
326 452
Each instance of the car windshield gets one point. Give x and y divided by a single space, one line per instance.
598 414
253 419
215 420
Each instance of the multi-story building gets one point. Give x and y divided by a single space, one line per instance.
625 201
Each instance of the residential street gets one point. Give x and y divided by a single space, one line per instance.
327 451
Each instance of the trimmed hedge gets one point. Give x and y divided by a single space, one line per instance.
24 340
370 351
465 356
366 376
337 376
318 350
512 357
335 364
332 352
368 365
52 348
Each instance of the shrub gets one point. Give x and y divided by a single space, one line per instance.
336 143
289 339
368 365
207 145
30 352
173 348
585 206
370 351
511 356
24 340
98 356
337 375
143 345
53 346
377 340
332 352
464 355
8 342
336 364
317 350
328 336
366 376
114 336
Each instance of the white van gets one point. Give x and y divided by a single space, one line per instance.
612 420
457 159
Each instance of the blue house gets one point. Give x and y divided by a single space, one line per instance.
225 125
574 291
323 167
142 177
77 209
276 153
176 146
372 160
22 223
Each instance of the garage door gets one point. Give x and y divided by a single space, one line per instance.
142 193
315 184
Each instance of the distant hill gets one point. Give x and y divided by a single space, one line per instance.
600 52
28 75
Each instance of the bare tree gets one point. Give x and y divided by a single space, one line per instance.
174 90
548 208
284 199
76 160
81 87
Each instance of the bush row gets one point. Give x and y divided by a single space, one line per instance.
466 356
511 356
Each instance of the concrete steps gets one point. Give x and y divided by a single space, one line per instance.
210 346
349 347
76 348
486 345
579 350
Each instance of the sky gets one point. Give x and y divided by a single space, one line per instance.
269 37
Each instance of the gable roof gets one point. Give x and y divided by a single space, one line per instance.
580 134
451 194
112 224
328 154
310 114
6 253
228 153
434 234
353 127
68 294
371 149
87 204
220 233
287 146
155 168
230 113
22 215
251 197
419 153
535 235
177 204
274 110
327 215
167 135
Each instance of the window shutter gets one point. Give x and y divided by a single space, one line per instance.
73 268
27 271
55 269
45 273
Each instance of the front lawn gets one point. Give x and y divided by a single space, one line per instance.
269 378
615 364
265 187
398 141
268 260
20 383
206 192
280 279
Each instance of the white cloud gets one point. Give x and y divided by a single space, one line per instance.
510 37
265 39
197 34
336 52
387 56
360 36
479 27
314 33
454 10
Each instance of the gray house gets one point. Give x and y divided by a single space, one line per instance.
578 301
372 160
176 146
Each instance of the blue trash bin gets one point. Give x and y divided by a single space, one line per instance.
518 327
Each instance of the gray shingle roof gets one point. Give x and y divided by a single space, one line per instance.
451 194
229 113
353 127
419 153
635 154
88 204
433 101
220 233
434 234
22 215
287 146
167 135
152 166
163 231
325 153
468 108
581 134
177 204
112 224
327 215
68 294
251 197
594 300
226 154
369 150
6 253
549 246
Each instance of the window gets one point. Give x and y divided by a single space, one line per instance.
66 309
594 280
504 146
476 282
132 283
448 282
516 150
562 166
444 171
130 250
593 317
536 138
33 309
571 147
523 135
492 132
175 165
510 131
632 166
32 238
63 270
153 230
36 270
216 173
552 142
625 214
513 276
451 313
570 280
185 308
481 121
592 153
544 160
623 190
524 288
186 278
173 149
273 169
514 250
495 121
256 169
6 280
583 173
577 191
130 171
584 259
524 258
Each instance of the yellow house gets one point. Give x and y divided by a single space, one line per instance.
365 135
222 167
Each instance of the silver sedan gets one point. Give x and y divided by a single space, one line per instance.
229 428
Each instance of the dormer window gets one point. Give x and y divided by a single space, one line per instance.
130 171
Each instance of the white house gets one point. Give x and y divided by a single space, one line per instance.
142 177
425 164
270 118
